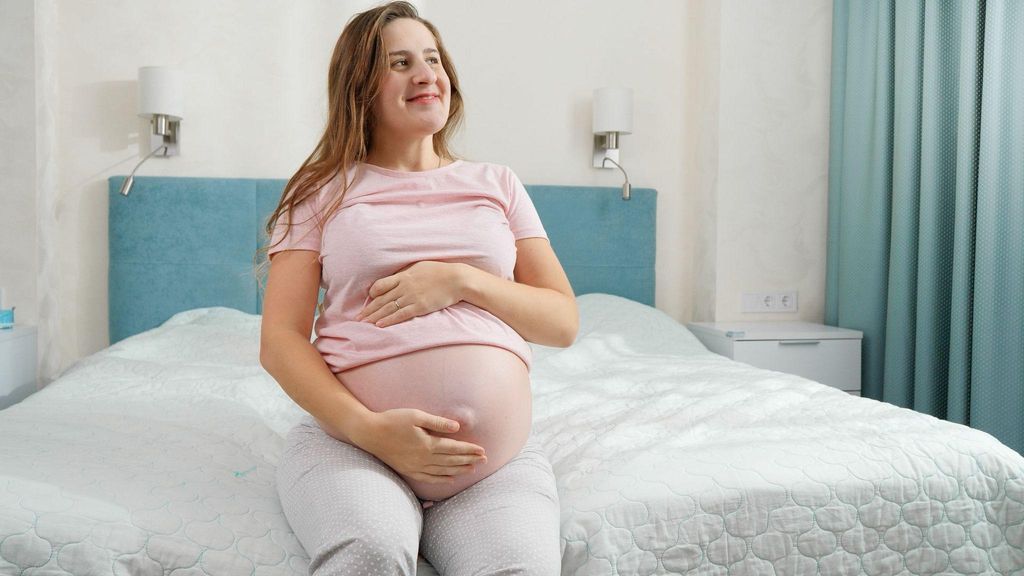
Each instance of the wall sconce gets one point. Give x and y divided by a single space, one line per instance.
160 100
613 115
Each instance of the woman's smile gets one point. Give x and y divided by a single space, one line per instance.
424 99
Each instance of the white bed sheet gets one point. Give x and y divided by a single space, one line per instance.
158 454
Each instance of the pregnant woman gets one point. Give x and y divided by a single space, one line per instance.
436 271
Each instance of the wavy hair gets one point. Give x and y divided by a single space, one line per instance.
358 67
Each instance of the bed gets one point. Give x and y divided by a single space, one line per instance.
157 454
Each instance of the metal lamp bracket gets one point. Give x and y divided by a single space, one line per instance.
164 132
601 152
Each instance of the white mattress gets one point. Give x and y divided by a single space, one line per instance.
157 456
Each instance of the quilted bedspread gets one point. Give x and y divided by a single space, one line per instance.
157 456
674 460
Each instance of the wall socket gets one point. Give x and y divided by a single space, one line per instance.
769 301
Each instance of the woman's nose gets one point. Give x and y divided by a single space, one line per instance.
424 73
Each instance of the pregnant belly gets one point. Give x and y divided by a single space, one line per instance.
485 388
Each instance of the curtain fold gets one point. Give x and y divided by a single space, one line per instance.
861 160
926 205
997 398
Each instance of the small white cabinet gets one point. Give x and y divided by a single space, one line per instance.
17 364
825 354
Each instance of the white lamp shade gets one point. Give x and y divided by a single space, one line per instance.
613 110
160 92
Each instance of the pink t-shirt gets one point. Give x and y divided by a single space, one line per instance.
468 212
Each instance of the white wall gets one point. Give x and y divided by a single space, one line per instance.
18 258
773 154
730 125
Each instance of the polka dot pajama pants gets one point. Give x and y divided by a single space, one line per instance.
354 515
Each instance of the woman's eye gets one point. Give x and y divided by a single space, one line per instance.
432 60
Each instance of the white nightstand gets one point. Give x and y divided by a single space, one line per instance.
17 364
821 353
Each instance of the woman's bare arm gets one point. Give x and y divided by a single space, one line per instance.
286 352
399 437
539 304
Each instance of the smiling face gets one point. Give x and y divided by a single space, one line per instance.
415 69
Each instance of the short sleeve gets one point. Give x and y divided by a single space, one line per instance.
523 219
303 234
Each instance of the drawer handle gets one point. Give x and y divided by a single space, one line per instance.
798 342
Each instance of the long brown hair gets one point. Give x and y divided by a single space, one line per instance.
357 69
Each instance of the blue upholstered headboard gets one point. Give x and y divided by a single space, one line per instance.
182 243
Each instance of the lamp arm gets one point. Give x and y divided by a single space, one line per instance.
126 187
626 188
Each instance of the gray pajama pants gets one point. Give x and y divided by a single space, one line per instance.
355 515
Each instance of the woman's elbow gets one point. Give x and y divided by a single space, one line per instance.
267 352
570 328
266 358
567 339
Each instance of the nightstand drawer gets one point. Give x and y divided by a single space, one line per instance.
17 364
832 362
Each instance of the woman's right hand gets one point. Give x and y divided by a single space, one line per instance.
410 441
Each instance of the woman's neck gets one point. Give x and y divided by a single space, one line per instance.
410 157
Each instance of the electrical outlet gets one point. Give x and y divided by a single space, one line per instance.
758 302
769 301
786 301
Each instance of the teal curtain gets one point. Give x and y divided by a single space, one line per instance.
926 204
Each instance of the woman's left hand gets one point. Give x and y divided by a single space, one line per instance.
419 289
